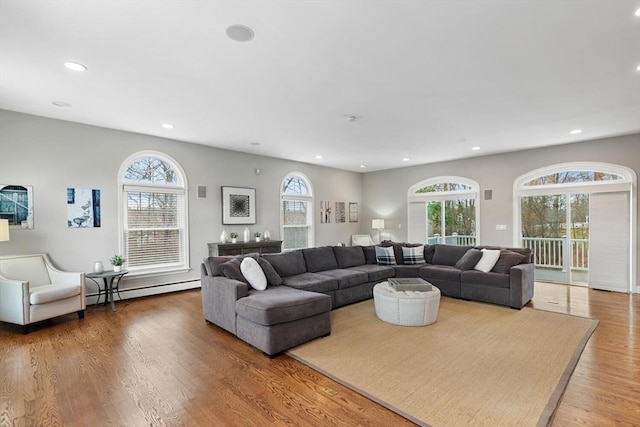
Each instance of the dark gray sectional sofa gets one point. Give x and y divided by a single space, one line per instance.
304 285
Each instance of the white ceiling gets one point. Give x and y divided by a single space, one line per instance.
427 80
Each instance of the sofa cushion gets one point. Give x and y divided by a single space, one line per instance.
376 273
347 278
349 256
448 254
319 259
273 278
287 263
252 271
488 260
413 255
385 255
523 251
281 304
507 260
429 251
314 282
370 254
231 270
469 259
440 272
408 270
212 264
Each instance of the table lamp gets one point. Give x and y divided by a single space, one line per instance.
378 224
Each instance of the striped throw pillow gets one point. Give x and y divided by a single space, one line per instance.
385 256
414 255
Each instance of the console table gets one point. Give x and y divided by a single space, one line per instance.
242 248
111 282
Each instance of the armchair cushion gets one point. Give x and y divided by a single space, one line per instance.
48 293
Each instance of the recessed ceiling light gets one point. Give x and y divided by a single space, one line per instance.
475 148
239 33
406 159
637 12
167 126
638 68
575 131
255 144
75 66
363 166
61 104
351 118
318 157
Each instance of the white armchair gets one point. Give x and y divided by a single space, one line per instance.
32 289
361 240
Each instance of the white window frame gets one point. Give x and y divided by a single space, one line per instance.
181 188
310 204
628 183
471 193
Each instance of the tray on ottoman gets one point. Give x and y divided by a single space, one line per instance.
409 284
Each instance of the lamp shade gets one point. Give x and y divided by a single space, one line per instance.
377 224
4 230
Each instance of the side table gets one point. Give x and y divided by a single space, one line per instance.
111 281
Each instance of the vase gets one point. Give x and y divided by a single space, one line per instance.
257 239
224 237
117 268
246 234
266 234
97 267
233 240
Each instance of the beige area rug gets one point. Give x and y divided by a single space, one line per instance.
478 365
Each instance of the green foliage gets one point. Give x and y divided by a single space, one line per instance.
117 260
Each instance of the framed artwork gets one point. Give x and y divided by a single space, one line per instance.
353 211
16 205
340 213
238 205
325 212
83 208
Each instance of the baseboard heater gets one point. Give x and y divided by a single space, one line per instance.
143 291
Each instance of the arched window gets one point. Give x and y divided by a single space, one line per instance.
578 220
443 210
153 206
296 215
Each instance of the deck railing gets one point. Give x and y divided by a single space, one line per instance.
549 252
455 239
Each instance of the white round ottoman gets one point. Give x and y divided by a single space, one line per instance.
406 308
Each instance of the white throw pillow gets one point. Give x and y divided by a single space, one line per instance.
488 260
252 271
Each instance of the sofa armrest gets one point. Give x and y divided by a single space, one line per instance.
521 280
14 301
219 296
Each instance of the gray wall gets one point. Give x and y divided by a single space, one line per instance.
51 155
385 192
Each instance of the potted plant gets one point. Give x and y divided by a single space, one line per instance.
117 261
257 236
233 236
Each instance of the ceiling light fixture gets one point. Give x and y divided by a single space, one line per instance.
318 157
638 68
352 118
61 104
575 131
167 126
475 148
75 66
363 166
239 33
406 159
637 12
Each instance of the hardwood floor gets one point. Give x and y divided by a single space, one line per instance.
157 362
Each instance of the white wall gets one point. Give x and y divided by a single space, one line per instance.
385 192
52 155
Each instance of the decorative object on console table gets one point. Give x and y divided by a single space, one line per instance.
378 224
223 236
238 205
234 236
246 235
98 267
267 235
257 235
117 261
262 247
